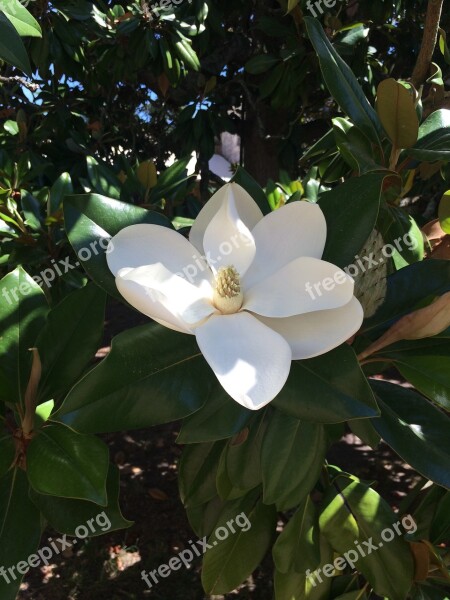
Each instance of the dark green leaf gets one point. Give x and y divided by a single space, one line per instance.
343 84
91 220
12 49
70 340
232 559
20 530
434 137
327 389
246 181
298 546
353 512
220 418
152 375
103 179
426 368
61 188
260 64
243 459
202 518
197 476
61 462
351 211
66 515
303 586
23 309
440 526
415 430
292 457
410 286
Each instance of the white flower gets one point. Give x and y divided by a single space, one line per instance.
252 289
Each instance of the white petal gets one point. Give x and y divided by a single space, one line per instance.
246 207
315 333
251 361
178 296
220 167
304 285
227 240
150 304
141 245
297 229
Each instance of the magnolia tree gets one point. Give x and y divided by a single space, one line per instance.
275 319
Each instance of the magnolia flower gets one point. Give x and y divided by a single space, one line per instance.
242 285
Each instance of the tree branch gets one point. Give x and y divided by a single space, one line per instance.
430 35
16 79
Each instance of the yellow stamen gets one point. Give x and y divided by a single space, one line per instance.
228 297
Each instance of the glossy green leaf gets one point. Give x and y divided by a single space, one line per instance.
325 145
32 211
24 23
102 178
403 233
427 368
243 458
62 462
171 180
61 188
219 418
91 220
246 181
66 515
203 517
230 561
260 64
349 37
397 111
440 526
290 473
299 586
328 389
152 375
366 432
342 83
298 545
289 586
444 212
197 473
353 512
434 138
69 340
23 309
351 208
226 490
415 430
43 412
12 49
355 147
443 45
408 287
20 530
